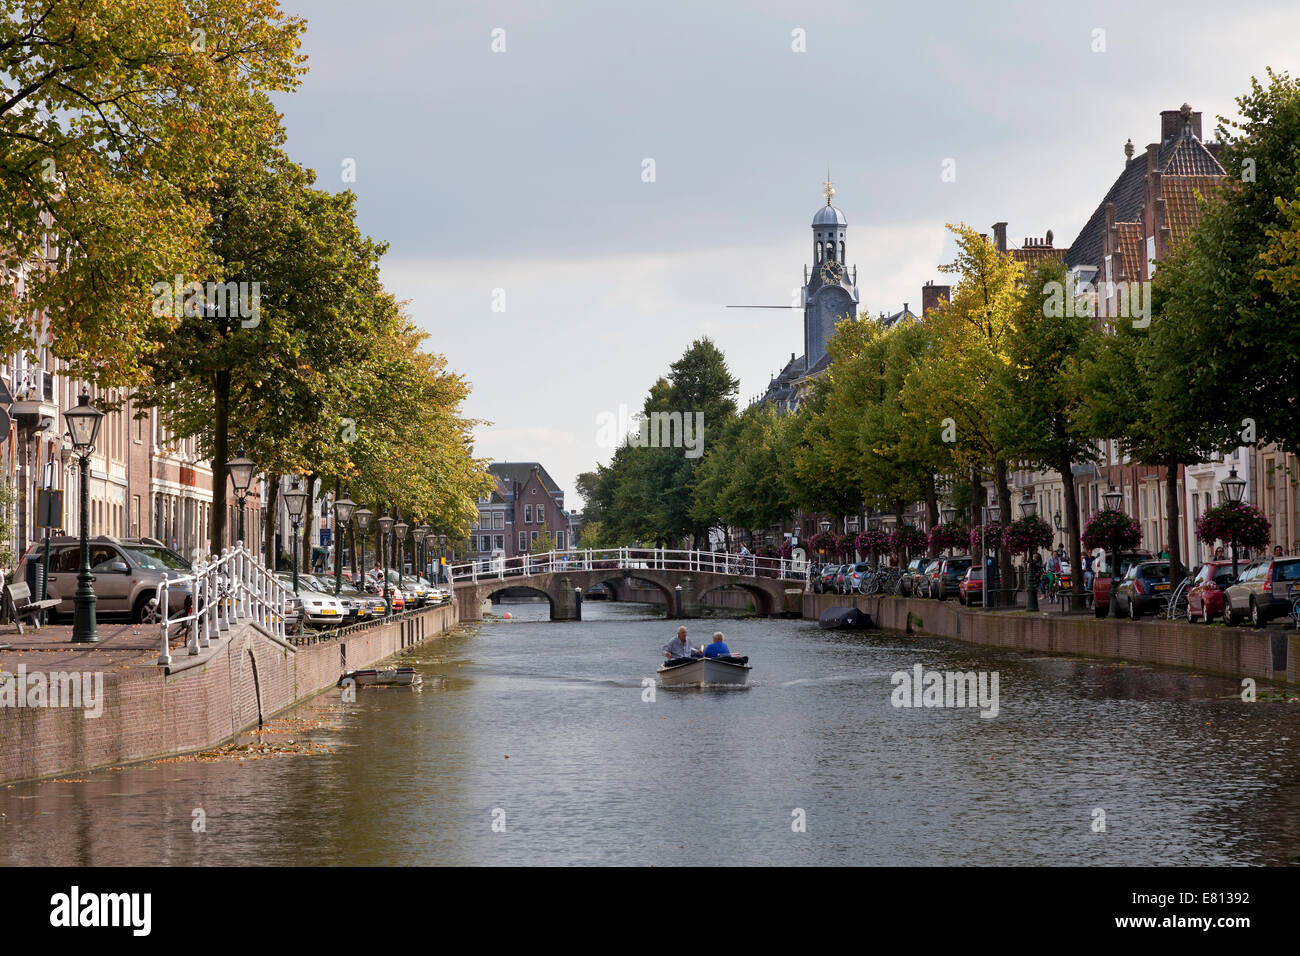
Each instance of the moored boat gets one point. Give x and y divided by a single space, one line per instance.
391 677
705 670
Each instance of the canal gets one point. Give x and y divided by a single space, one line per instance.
529 742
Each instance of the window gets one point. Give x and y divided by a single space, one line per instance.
528 514
559 542
485 521
523 541
1151 256
500 542
485 543
499 520
533 539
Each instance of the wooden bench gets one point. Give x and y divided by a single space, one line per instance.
20 607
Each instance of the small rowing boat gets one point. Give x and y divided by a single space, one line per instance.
705 670
392 677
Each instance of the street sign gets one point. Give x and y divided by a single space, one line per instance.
326 537
49 508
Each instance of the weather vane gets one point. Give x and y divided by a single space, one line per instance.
830 186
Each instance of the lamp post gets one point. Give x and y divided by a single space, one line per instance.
946 514
363 516
1111 501
385 526
442 555
1231 489
241 470
343 509
295 502
399 533
418 534
1028 509
83 421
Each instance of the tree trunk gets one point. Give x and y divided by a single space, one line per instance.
1073 532
1172 537
931 509
268 525
1005 569
308 525
220 455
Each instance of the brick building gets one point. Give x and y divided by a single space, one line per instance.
524 504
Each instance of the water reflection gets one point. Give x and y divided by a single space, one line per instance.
543 727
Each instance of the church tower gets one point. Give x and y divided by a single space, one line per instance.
831 293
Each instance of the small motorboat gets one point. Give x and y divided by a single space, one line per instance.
705 670
392 677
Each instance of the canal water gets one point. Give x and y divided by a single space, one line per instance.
531 742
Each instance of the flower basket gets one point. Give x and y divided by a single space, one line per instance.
1028 534
945 536
1235 523
992 533
906 540
1112 531
872 542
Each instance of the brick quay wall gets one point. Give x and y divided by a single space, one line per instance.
198 702
1234 652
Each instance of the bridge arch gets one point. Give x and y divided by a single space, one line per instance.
763 603
487 594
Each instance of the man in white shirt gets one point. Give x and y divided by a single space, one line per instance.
677 647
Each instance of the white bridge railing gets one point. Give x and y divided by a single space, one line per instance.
628 559
219 593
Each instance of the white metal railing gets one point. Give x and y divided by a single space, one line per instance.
628 559
220 592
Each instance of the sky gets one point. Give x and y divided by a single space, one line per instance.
562 279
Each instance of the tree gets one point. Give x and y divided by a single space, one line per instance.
1041 420
116 115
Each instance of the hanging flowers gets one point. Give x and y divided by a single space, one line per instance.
992 533
1112 530
1235 523
823 543
1027 534
906 540
844 545
945 536
872 542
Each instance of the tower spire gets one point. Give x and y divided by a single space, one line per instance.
829 189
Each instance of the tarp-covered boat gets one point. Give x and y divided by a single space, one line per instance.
850 618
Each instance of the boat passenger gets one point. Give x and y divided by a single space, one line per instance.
718 648
678 648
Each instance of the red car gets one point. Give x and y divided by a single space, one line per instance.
970 589
1205 597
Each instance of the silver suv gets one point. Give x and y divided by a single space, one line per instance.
127 573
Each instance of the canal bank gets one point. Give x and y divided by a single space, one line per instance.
1231 652
67 708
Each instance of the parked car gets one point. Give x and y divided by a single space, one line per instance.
947 577
321 608
127 573
1101 578
970 590
854 574
1145 588
1264 591
1205 596
912 575
922 586
839 584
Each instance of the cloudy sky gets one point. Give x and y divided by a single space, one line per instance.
515 178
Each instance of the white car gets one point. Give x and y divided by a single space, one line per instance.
320 609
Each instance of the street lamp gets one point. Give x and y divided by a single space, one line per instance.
442 554
1028 506
295 502
418 534
991 514
343 508
399 533
241 471
363 516
1028 509
385 526
947 513
1231 489
83 421
1234 487
1111 500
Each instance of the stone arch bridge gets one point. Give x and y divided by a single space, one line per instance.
683 577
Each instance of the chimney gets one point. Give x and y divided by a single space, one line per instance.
932 295
1000 236
1173 121
905 309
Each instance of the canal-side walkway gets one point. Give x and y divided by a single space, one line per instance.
1268 655
74 707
